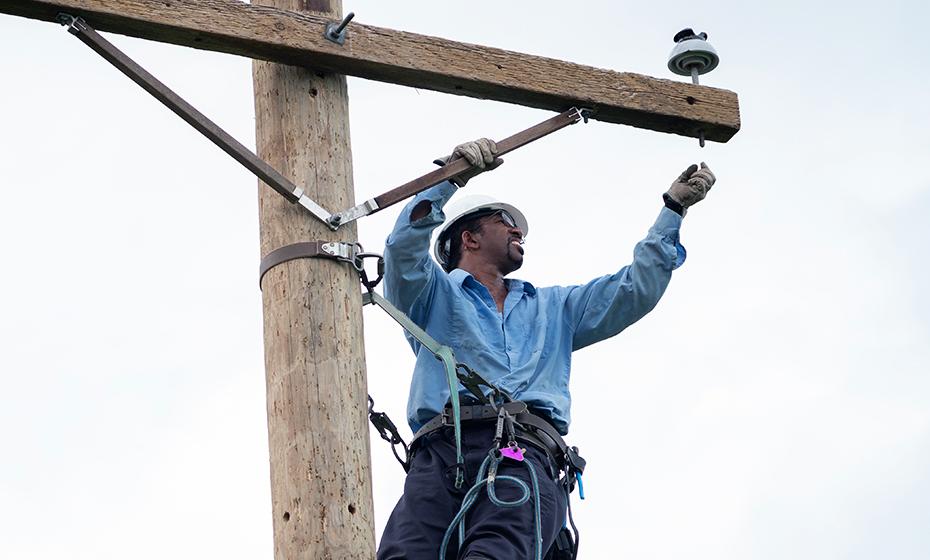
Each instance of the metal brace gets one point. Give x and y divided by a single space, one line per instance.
281 184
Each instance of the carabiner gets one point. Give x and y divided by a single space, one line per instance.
359 263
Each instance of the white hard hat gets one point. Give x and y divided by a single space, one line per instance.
465 206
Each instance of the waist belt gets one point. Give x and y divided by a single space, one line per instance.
530 428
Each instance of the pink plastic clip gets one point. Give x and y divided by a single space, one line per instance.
512 452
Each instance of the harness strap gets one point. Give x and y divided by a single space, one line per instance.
477 412
530 428
547 434
445 355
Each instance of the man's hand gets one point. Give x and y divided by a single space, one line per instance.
481 154
690 188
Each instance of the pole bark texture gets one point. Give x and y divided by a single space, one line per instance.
314 351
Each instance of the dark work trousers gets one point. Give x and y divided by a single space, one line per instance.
416 527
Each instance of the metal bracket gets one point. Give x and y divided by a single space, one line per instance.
67 20
582 113
340 250
354 213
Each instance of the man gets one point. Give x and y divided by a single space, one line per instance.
518 337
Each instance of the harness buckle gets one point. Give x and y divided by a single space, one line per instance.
575 461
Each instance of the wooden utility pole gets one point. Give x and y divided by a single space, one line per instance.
314 354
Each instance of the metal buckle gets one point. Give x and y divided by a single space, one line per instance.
340 250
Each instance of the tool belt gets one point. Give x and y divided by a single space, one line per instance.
530 428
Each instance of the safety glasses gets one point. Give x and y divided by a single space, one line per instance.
507 218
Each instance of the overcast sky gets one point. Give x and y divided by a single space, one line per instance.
775 405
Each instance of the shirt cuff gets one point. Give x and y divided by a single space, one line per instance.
667 226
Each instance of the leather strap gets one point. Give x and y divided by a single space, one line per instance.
546 433
306 250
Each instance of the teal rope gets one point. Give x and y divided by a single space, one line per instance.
489 466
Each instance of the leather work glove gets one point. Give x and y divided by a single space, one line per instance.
689 188
481 154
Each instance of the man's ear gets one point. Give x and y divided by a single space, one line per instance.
470 240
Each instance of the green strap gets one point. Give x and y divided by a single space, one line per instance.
443 353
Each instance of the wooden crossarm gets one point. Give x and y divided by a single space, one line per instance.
409 59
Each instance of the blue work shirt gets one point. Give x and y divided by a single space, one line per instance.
526 350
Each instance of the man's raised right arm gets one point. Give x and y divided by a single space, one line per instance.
409 271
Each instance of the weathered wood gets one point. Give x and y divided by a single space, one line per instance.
314 351
376 53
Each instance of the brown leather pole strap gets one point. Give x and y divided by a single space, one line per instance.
306 250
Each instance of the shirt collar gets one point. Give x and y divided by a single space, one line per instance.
460 277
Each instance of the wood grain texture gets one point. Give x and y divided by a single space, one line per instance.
291 37
314 350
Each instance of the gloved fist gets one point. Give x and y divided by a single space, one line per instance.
691 186
481 154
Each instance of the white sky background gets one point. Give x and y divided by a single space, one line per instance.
775 405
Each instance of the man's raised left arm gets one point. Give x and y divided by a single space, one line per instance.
607 305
